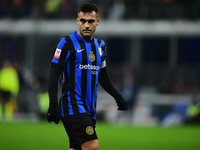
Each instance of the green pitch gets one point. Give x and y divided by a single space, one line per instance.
45 136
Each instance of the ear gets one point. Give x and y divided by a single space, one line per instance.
98 21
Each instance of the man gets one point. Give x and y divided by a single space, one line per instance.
81 59
9 88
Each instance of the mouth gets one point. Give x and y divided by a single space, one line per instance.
87 30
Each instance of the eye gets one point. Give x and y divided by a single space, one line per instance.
83 20
91 21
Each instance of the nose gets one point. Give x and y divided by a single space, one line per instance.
87 25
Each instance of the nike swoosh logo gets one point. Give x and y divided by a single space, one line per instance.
80 50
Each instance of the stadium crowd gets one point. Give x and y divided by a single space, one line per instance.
108 9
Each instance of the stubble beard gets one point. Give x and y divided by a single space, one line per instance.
86 35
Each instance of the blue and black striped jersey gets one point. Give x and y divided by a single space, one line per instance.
80 61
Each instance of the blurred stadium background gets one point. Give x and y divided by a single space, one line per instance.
153 44
157 41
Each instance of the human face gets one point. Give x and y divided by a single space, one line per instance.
87 23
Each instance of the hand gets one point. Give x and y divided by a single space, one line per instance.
121 103
53 113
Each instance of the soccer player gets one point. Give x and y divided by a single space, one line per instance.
81 59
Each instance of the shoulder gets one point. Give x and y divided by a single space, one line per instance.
64 41
99 41
61 43
71 38
102 44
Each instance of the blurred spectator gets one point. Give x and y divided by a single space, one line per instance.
129 89
129 92
9 87
51 8
193 109
193 113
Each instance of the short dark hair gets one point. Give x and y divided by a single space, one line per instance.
88 7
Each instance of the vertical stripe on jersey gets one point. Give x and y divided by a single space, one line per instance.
65 83
94 63
83 73
97 44
78 74
65 73
89 79
73 108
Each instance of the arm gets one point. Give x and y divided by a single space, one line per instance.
57 63
54 111
106 83
54 74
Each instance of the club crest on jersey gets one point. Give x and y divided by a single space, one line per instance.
92 57
100 51
57 53
89 130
